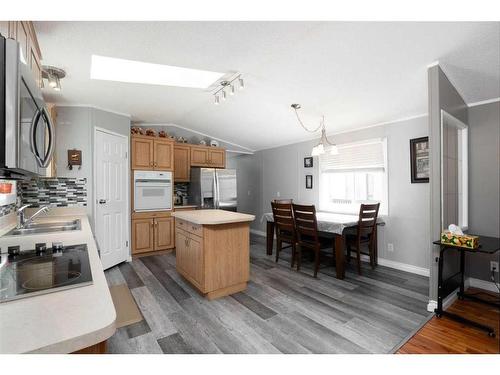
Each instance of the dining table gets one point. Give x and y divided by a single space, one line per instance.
331 225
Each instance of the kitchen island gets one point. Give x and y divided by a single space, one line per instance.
212 249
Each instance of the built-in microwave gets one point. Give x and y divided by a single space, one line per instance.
26 132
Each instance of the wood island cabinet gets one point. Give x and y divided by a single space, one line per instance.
152 231
150 153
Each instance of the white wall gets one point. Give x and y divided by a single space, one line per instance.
407 226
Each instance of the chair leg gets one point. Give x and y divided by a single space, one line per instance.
316 263
278 248
348 252
299 257
294 253
359 260
372 256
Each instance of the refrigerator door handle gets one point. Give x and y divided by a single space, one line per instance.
216 190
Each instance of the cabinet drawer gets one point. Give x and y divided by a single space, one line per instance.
191 228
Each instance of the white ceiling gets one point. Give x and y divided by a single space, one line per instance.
355 73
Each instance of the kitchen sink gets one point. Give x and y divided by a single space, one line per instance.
41 228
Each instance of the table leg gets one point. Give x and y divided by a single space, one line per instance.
339 256
439 310
269 237
462 274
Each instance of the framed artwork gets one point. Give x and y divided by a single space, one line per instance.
419 159
309 181
308 162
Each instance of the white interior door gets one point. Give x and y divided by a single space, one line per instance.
111 197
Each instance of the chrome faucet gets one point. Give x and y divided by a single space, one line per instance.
23 222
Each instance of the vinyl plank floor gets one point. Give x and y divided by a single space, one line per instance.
281 311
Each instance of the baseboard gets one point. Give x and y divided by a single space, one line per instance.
399 266
483 284
452 297
258 232
381 261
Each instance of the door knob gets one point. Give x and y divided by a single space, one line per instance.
102 201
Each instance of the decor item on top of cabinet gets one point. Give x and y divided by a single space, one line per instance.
136 130
150 132
309 181
203 142
74 159
214 143
162 134
308 162
181 140
419 159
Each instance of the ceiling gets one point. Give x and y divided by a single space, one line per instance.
355 73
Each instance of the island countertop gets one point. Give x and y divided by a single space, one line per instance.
213 217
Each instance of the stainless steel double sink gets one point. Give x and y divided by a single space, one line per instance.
41 228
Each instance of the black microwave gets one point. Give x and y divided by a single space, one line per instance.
26 132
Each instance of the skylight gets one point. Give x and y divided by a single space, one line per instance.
113 69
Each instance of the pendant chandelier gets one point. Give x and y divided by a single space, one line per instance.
324 145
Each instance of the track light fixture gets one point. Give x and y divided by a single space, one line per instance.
228 86
53 76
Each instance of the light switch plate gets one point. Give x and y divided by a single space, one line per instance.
494 266
390 247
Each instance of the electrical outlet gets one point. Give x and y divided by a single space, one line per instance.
494 266
278 194
390 247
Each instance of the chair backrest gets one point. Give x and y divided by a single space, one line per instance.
289 201
283 217
367 219
306 225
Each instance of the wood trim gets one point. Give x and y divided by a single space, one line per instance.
99 348
151 215
226 291
34 39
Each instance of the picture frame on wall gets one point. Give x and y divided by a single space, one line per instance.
419 160
309 181
308 162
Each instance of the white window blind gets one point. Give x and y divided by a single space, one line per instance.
366 155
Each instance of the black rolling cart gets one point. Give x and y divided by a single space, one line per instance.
487 245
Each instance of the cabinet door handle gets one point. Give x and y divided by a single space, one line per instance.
151 163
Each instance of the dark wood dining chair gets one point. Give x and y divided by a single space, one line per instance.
306 227
285 229
364 234
289 201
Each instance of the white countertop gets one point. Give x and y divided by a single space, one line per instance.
64 321
213 217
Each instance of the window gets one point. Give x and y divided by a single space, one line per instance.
357 174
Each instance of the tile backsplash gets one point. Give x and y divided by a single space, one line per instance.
7 209
56 192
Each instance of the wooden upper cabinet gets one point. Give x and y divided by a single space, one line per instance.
142 153
163 155
164 233
142 235
35 65
22 35
217 157
199 156
182 163
149 153
205 156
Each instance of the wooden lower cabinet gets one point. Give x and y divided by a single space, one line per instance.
152 232
189 257
142 236
99 348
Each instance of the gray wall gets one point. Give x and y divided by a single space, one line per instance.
442 96
484 182
281 169
75 129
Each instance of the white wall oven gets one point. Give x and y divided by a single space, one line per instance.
152 191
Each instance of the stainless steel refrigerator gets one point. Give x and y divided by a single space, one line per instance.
213 188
